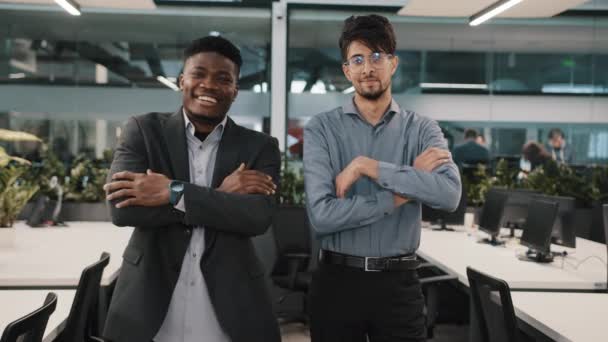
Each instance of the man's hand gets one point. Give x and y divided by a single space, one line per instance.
143 189
243 181
348 177
431 159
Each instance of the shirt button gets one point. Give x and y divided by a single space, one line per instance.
192 283
194 255
187 231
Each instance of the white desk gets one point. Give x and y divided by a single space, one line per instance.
55 256
454 251
18 303
575 317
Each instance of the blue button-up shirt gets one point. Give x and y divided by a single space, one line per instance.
365 222
191 317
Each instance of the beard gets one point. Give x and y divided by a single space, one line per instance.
373 94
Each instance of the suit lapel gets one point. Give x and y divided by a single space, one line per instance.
227 158
175 138
226 161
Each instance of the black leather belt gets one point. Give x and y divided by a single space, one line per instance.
370 264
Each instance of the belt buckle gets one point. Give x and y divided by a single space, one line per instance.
366 268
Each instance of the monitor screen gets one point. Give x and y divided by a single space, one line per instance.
491 214
539 224
516 209
564 230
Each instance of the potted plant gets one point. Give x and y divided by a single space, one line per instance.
85 197
15 190
560 180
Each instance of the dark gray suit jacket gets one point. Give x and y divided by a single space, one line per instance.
154 255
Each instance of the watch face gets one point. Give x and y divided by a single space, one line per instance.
177 186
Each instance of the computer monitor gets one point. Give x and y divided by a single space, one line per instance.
564 230
491 215
516 209
537 230
442 218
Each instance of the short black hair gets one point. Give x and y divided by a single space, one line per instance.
556 132
215 44
470 133
374 31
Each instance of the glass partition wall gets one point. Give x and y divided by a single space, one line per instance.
513 80
74 81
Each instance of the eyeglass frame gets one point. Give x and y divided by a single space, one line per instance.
382 56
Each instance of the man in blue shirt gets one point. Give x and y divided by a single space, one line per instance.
368 166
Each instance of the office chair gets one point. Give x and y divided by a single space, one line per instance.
81 320
493 307
605 210
291 270
431 280
30 328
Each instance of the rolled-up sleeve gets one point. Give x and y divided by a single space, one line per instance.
328 213
439 189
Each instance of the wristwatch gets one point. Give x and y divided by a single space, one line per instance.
176 190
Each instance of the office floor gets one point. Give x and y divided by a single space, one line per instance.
443 333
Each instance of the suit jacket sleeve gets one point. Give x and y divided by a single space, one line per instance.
235 213
130 155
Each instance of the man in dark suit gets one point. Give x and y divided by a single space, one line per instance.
470 152
196 187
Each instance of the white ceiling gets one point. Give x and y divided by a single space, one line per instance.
466 8
119 4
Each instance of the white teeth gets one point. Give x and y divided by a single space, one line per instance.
207 98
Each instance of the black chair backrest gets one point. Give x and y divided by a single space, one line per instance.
31 328
83 311
291 232
493 307
605 211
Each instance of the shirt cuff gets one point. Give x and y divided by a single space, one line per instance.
385 174
180 205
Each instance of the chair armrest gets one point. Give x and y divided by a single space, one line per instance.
437 279
96 339
297 255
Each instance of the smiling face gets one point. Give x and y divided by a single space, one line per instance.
370 81
209 86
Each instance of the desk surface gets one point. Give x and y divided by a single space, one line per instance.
454 251
18 303
55 256
576 317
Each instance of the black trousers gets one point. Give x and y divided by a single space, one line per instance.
350 305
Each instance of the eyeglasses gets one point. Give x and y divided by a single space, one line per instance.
377 61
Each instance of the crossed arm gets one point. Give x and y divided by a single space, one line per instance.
242 204
433 180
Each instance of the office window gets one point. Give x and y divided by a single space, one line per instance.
75 84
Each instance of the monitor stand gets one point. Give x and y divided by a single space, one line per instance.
536 256
441 226
492 241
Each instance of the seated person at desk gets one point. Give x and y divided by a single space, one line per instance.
557 147
470 152
533 155
481 140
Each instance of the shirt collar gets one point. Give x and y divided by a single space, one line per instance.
350 108
216 134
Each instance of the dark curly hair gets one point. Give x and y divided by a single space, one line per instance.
374 31
215 44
